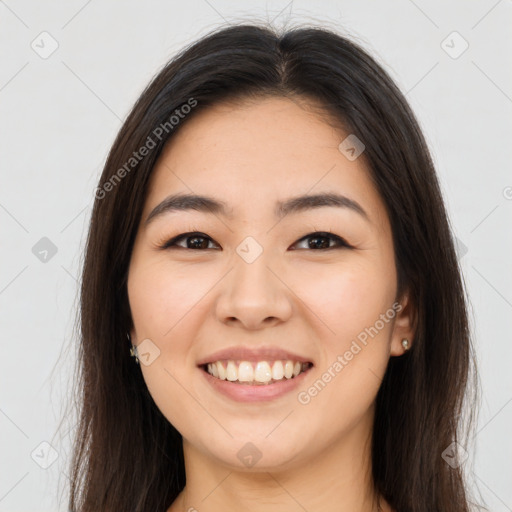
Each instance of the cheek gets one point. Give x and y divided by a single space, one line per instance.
354 356
348 298
160 295
164 301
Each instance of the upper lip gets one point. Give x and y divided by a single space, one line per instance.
253 355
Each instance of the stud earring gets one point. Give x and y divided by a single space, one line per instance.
133 349
405 344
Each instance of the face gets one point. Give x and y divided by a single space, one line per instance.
252 286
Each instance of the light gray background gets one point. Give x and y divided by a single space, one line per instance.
59 116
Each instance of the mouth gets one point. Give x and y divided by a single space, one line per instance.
256 373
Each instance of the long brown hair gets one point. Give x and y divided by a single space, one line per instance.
126 455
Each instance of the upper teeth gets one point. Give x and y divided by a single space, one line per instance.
262 371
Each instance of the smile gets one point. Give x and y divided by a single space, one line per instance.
256 373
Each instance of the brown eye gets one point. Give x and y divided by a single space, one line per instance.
315 241
194 241
322 240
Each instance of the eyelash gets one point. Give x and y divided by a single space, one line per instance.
317 234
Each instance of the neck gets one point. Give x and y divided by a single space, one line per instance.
338 479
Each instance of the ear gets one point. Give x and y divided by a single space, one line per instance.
404 326
130 330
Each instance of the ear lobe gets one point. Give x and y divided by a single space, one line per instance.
405 325
131 335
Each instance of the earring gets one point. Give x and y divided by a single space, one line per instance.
405 344
133 349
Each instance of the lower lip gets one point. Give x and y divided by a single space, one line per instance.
258 393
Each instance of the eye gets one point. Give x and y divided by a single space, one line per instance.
321 240
193 240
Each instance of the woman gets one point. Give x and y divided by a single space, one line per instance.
272 313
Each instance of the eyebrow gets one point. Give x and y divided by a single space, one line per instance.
200 203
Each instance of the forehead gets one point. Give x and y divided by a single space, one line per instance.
253 154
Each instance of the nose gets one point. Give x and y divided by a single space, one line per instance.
254 296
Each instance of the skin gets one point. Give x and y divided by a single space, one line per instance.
314 302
